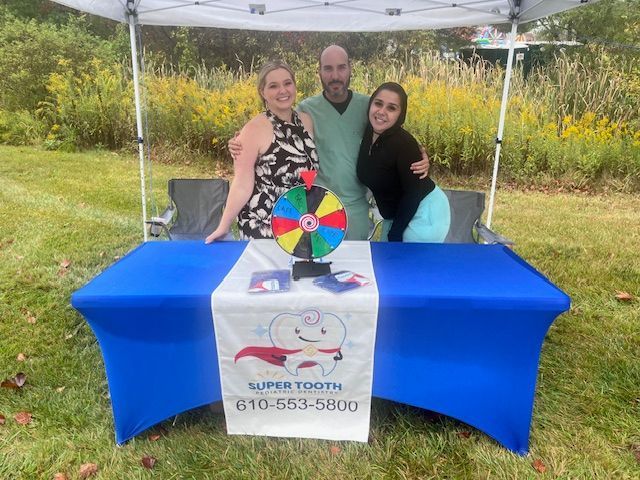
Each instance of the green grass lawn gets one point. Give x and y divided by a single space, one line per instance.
84 209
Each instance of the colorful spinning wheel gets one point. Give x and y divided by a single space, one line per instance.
309 222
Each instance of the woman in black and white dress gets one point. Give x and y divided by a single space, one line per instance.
276 146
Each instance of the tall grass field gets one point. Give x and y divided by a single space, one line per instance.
570 121
65 217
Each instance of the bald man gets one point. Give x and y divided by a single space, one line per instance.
339 118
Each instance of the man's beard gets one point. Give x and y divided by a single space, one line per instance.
335 93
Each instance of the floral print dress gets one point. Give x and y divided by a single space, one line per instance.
277 170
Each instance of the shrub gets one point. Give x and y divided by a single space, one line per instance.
453 111
20 128
32 51
95 107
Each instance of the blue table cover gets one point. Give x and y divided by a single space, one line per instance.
460 328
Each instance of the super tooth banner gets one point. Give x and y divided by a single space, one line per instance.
297 363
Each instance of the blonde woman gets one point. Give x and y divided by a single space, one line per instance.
276 146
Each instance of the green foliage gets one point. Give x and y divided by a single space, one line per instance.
32 51
27 9
607 21
185 49
20 128
93 108
593 81
564 121
223 47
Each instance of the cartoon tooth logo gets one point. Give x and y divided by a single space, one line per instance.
308 339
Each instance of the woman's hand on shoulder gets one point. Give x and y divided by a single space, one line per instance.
307 121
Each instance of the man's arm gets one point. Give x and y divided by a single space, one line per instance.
235 146
421 167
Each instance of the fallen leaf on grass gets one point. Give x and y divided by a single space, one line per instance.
576 310
635 449
334 449
23 418
20 379
159 432
149 462
60 476
464 434
539 466
16 382
3 419
21 357
29 316
6 242
623 296
64 267
87 470
60 389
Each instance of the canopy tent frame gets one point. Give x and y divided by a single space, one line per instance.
501 119
492 13
139 128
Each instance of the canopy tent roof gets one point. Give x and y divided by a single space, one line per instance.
328 16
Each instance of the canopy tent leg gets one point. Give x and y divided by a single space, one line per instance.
503 111
136 90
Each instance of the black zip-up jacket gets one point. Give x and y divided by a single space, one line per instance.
384 168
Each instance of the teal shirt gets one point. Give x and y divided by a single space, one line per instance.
337 138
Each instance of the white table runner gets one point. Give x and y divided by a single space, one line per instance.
297 363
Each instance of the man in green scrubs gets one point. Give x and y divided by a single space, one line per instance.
339 119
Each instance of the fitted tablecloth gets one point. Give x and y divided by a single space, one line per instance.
460 328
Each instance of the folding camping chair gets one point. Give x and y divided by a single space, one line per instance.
466 226
197 206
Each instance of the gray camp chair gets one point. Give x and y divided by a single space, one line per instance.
466 226
194 210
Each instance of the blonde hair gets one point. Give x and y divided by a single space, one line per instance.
269 67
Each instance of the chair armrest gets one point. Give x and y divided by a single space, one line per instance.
166 216
375 219
491 237
374 230
159 224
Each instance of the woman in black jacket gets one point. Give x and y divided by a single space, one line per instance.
414 209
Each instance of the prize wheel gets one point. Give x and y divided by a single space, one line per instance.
309 222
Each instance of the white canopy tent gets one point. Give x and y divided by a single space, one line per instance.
323 16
